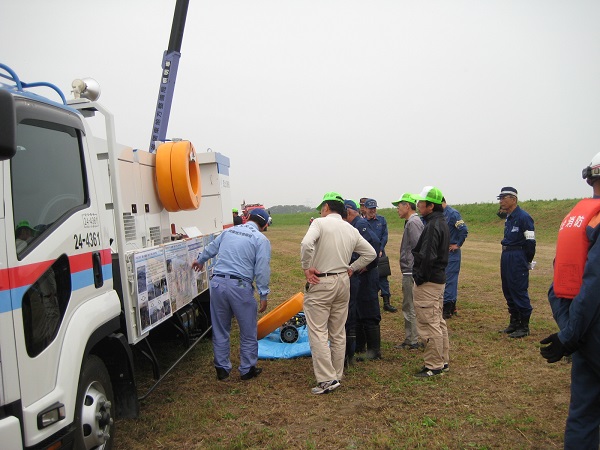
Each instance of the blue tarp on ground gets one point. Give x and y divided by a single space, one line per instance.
271 347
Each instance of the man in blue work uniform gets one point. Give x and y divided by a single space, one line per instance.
379 226
458 234
244 257
575 300
518 250
363 310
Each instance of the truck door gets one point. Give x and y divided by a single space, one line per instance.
54 243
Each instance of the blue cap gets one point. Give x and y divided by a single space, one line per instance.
350 204
370 203
508 190
260 215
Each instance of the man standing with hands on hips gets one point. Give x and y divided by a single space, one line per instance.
325 254
518 250
244 257
575 300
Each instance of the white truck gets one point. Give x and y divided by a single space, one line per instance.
90 263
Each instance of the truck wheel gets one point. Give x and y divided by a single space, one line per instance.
94 427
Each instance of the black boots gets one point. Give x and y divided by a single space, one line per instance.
350 350
515 321
373 337
447 311
387 306
522 329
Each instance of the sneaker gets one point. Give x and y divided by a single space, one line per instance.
325 387
428 373
446 368
222 374
253 372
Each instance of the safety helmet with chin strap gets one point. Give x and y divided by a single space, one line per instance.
592 172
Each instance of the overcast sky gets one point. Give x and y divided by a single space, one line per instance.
367 98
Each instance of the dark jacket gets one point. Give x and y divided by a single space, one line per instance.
431 252
365 231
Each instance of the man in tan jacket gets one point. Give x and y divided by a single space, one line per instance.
325 254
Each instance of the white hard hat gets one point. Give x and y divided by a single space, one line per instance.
591 173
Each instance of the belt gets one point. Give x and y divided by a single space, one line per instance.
321 275
507 248
233 277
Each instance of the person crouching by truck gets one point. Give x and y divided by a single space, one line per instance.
244 257
237 219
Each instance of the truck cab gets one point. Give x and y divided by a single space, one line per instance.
78 212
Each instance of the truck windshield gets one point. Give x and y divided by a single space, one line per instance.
47 177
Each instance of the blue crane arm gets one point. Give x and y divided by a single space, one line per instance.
170 64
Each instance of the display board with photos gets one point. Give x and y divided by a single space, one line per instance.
166 281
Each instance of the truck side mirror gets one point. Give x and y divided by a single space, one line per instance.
8 125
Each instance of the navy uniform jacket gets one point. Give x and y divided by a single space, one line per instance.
457 226
365 231
517 224
379 227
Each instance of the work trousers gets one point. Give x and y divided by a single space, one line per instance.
582 430
583 423
367 302
326 311
431 326
452 270
408 310
514 272
229 298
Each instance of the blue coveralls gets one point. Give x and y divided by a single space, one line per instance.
363 305
364 285
579 323
379 227
517 253
244 256
458 234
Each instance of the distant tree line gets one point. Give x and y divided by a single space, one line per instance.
289 209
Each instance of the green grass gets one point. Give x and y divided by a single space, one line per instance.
498 394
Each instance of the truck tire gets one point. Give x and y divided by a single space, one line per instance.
94 427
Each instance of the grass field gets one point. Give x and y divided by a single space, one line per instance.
499 393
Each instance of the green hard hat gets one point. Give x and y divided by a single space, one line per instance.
234 210
330 196
24 224
406 197
430 194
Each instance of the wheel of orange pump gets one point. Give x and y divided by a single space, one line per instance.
185 174
164 184
178 176
280 315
